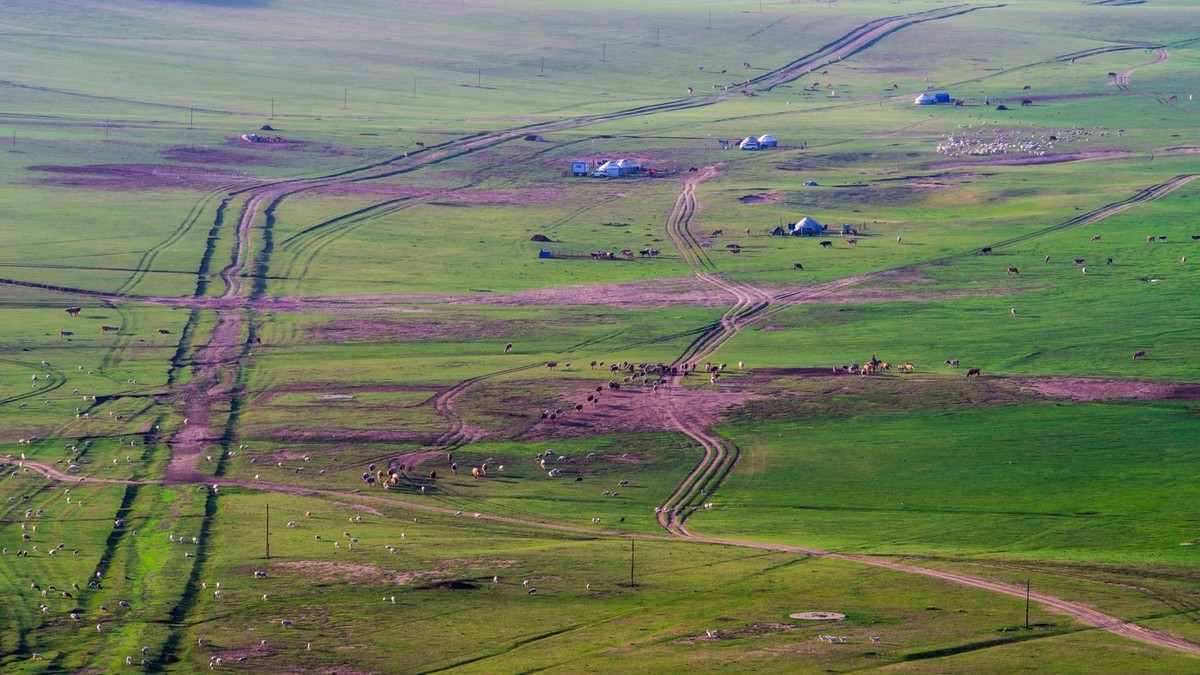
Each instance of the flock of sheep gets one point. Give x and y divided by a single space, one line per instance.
1022 139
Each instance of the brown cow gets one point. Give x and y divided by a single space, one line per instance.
109 329
974 372
74 311
1139 354
1013 270
64 334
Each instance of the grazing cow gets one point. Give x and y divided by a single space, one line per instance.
1139 354
74 311
1109 262
1079 261
900 240
907 368
974 372
1026 102
1027 87
1047 260
1150 239
985 250
163 331
1013 270
1096 238
552 364
1196 237
109 329
1162 237
735 250
508 348
64 334
797 266
826 244
717 233
851 242
475 472
953 363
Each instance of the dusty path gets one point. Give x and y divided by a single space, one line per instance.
1121 79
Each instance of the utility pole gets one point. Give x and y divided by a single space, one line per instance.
191 117
1027 604
414 87
106 128
272 107
268 538
710 20
345 98
604 51
631 549
543 71
657 34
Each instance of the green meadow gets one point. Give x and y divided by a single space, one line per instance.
364 289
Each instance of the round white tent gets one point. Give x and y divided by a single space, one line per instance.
767 141
925 99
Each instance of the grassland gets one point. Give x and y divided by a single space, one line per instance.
292 313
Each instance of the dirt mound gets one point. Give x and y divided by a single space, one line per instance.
1086 389
762 198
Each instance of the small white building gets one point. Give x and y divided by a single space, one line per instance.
925 99
617 168
767 141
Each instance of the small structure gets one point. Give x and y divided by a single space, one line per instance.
617 168
941 97
811 183
536 138
767 141
579 168
750 143
543 254
806 227
925 99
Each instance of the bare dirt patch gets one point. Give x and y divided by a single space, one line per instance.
660 293
335 435
1020 161
761 198
133 176
632 410
212 156
349 330
1086 389
818 616
348 572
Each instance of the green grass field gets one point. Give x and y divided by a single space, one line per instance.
364 289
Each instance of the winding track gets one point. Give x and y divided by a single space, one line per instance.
216 362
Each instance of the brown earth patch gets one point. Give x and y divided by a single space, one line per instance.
761 198
660 293
1088 389
632 410
1185 149
349 572
1019 161
212 156
267 396
333 435
349 330
133 176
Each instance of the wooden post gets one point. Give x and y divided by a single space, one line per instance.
345 98
543 71
272 107
709 20
631 550
604 51
268 538
1027 604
